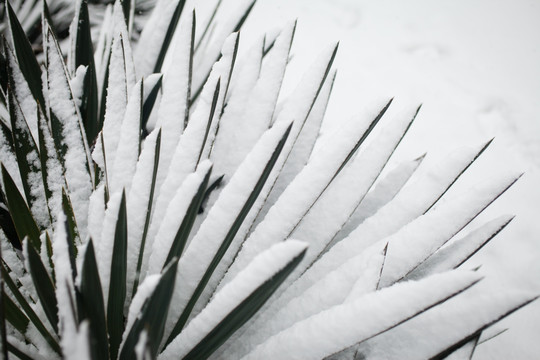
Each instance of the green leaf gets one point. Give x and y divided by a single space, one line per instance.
169 35
242 313
93 307
18 352
3 334
184 230
29 311
14 315
153 85
210 118
66 124
71 227
117 287
148 212
44 286
84 55
153 314
25 225
25 146
229 237
25 56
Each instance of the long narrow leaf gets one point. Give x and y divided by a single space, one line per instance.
93 305
153 315
275 138
25 56
25 225
117 287
237 302
44 286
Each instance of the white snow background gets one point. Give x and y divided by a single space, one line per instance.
475 67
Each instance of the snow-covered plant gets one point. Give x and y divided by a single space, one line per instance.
168 201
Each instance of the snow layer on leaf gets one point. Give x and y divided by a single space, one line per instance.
144 291
332 330
105 245
96 213
305 143
474 312
37 202
8 159
223 68
77 84
457 252
297 108
123 168
418 240
383 192
195 143
137 204
204 60
260 270
115 106
22 93
174 216
76 158
120 28
230 147
359 275
300 195
54 170
151 40
412 201
174 105
104 41
222 215
65 291
258 105
336 204
176 93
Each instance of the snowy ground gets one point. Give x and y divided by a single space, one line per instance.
475 67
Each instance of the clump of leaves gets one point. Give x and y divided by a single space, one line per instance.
159 202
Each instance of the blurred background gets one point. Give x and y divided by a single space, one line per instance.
475 67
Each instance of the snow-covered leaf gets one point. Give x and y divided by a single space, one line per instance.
332 330
237 302
214 238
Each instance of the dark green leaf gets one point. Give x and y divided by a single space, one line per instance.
184 230
25 225
71 229
29 311
153 84
242 313
153 315
93 307
3 308
148 211
44 286
168 36
210 118
25 146
229 237
15 316
84 55
25 56
18 352
117 287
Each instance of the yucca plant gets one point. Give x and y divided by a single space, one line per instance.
160 202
